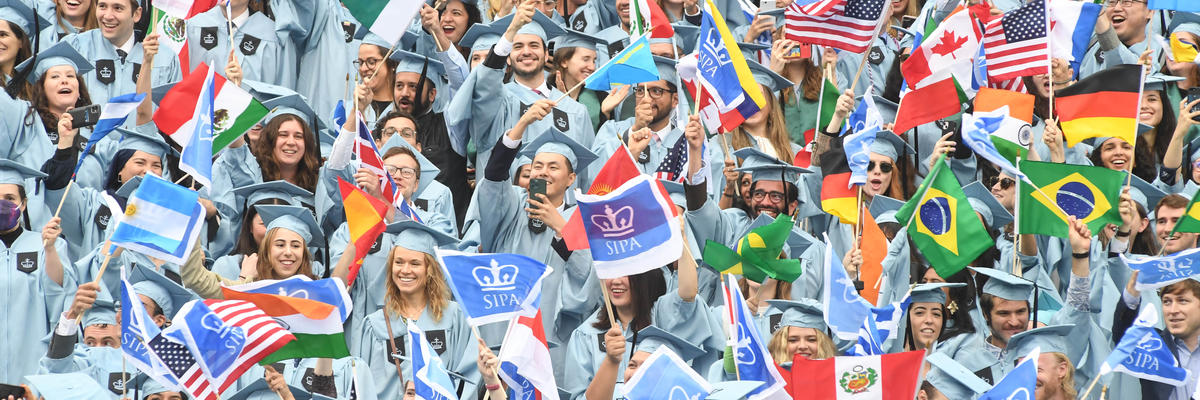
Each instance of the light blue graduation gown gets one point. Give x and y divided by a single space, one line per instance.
1096 60
34 304
594 16
85 218
112 77
611 135
450 337
370 287
880 58
326 54
101 363
265 52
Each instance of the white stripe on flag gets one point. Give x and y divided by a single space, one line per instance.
118 110
853 366
155 218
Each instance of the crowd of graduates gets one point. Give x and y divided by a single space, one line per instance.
478 116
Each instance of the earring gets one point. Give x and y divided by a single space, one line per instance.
953 307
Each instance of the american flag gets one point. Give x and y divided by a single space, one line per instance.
263 337
1016 44
671 168
844 24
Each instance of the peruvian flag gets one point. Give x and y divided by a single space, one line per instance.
525 360
172 28
884 377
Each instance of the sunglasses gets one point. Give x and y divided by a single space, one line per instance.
883 166
1005 183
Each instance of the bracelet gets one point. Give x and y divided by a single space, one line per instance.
1123 234
1063 82
1083 256
492 387
727 194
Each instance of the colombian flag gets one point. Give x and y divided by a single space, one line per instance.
729 93
838 197
1090 194
1104 104
364 219
943 217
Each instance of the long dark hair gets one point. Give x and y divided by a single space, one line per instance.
15 85
42 106
645 288
958 321
112 180
910 340
1144 242
1146 157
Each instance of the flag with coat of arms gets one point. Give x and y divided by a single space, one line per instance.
1142 353
1156 272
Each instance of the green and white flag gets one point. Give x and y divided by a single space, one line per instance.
386 18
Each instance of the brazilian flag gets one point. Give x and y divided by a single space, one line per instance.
942 224
757 255
1190 221
1090 194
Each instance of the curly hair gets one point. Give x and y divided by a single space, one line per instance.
265 268
437 292
310 163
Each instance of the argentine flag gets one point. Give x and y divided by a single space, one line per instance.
161 220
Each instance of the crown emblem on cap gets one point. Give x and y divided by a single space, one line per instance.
496 276
614 224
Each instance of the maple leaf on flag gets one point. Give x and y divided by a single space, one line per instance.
948 43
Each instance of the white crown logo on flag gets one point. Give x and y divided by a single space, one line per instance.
496 276
614 224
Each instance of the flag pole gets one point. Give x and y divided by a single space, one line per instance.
475 330
883 18
229 22
568 92
1049 60
60 203
1103 392
99 275
1091 386
737 373
1017 221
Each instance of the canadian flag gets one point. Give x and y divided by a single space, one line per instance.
884 377
525 360
950 48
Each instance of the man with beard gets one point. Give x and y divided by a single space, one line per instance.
651 132
1120 37
486 110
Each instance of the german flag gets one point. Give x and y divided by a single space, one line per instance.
1104 104
838 197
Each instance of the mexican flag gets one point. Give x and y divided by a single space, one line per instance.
235 111
386 18
647 16
312 310
169 23
885 377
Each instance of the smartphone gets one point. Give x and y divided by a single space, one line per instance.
907 21
1192 95
537 186
84 116
16 392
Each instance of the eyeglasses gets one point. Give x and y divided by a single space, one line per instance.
406 133
759 194
403 172
655 93
549 3
370 62
884 167
1005 183
1123 3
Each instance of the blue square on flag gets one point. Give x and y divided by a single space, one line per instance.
626 224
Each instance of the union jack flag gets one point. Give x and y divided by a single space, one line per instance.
368 155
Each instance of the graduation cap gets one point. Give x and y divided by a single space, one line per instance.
762 166
801 313
16 173
887 108
103 311
415 236
21 15
293 218
932 292
412 62
553 141
666 70
1157 81
1005 285
260 386
733 390
144 386
516 165
278 189
675 189
168 295
149 142
766 77
1096 142
776 13
984 203
484 36
749 47
72 386
294 104
1051 339
1145 194
1186 22
651 338
61 54
890 145
572 38
952 379
263 91
541 26
686 36
884 208
373 39
429 170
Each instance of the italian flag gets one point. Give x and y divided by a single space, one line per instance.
235 111
313 311
388 19
884 377
169 23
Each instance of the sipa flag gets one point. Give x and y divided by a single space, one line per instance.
665 376
1142 353
631 230
136 331
1156 272
1020 383
494 287
844 310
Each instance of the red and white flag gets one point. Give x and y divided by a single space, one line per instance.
884 377
951 48
525 360
843 24
1016 44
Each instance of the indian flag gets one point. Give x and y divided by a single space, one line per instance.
235 111
313 311
388 19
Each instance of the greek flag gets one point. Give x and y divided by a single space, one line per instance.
977 132
664 376
430 379
494 287
1156 272
879 326
161 220
114 114
1020 383
1142 353
136 332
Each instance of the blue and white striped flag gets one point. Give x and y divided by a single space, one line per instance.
430 379
137 329
113 115
196 159
1156 272
879 326
161 220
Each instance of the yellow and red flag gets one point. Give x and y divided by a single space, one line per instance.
364 218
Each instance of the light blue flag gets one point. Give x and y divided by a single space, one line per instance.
136 331
978 129
114 114
339 113
430 379
161 220
196 159
213 343
1156 272
879 326
631 66
864 123
1020 383
1177 5
844 310
754 362
664 376
1142 353
494 287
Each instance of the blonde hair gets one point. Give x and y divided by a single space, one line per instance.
777 134
437 292
779 351
267 271
1067 384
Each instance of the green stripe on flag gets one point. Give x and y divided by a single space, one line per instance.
310 346
365 11
253 113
